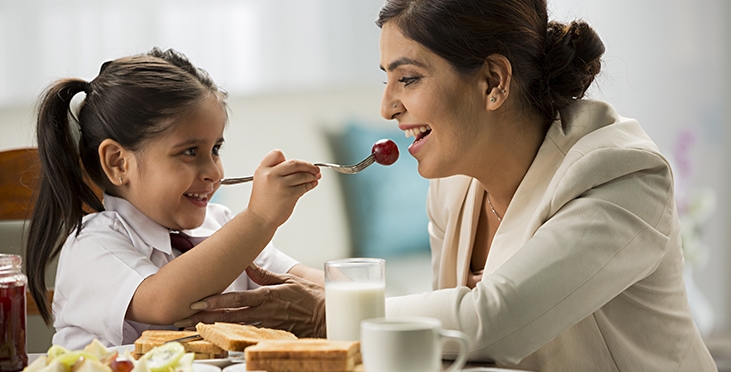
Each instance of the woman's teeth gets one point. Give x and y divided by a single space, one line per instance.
412 132
197 196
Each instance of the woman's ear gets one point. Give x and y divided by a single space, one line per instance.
115 161
496 77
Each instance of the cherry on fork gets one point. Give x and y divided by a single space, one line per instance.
385 152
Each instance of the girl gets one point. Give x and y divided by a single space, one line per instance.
150 130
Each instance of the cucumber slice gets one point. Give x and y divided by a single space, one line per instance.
164 357
70 358
56 350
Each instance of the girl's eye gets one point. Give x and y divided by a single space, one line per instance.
216 149
190 152
408 80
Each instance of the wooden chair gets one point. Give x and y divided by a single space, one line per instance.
19 172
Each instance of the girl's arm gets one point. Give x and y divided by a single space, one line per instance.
211 266
309 273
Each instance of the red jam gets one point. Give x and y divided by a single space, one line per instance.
13 356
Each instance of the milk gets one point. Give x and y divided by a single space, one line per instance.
347 303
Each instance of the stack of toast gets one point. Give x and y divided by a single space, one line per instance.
303 355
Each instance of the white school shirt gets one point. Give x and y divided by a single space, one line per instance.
100 269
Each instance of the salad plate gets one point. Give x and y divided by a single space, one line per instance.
125 351
218 363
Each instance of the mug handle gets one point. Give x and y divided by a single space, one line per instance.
463 341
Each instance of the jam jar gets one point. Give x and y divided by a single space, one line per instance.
13 356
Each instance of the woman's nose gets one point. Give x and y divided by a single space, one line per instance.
389 106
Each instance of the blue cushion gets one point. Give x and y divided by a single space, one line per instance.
386 204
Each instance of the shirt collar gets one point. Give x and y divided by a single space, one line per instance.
152 233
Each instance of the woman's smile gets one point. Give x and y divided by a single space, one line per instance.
420 134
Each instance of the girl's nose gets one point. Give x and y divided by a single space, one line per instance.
212 170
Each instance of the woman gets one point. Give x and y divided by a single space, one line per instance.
554 234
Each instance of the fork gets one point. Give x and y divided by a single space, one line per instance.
345 169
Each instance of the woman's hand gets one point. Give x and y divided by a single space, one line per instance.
278 184
283 301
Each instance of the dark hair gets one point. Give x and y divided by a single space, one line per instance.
132 100
553 63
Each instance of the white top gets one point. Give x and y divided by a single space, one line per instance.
584 272
99 271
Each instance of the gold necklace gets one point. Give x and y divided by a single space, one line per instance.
499 219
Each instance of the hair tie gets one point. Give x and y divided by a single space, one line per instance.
87 87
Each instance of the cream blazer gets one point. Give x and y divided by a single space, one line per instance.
585 270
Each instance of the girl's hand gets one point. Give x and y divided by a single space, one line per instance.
278 184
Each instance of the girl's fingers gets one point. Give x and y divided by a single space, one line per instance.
272 158
294 166
302 178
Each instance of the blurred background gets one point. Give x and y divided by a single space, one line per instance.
303 77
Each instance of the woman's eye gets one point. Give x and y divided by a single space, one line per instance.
190 152
407 80
216 150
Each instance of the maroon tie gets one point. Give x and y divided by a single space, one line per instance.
180 241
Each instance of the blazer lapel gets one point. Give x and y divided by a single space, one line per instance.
467 226
527 210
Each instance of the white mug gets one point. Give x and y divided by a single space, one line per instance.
408 344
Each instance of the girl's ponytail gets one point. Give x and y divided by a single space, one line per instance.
61 192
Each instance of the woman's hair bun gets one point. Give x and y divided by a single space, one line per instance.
572 59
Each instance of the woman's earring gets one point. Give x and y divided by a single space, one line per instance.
492 99
120 181
502 91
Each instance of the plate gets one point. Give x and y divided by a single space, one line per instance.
201 367
219 363
238 367
490 369
216 363
121 349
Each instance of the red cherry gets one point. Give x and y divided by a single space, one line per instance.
385 152
121 365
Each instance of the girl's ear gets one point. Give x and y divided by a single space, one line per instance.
115 161
496 74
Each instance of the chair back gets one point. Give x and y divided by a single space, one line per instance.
19 173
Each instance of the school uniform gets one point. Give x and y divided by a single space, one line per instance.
585 270
100 269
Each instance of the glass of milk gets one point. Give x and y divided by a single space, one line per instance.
354 291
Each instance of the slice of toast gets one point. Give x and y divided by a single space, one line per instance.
203 349
237 337
303 355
